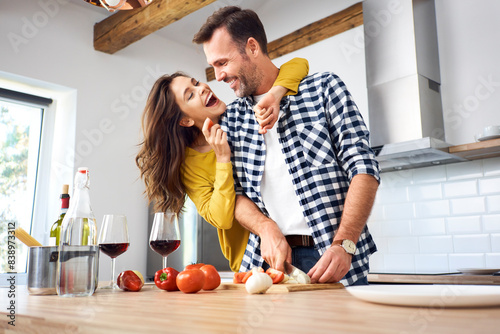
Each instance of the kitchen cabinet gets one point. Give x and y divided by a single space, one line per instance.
234 311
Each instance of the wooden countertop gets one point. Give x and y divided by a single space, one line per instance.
234 311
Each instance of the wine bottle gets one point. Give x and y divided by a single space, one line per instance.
55 230
78 261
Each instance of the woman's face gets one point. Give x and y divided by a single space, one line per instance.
197 101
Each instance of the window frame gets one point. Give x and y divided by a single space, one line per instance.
56 157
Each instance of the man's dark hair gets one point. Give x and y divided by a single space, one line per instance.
241 24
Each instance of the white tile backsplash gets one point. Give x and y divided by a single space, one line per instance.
472 243
432 209
464 225
495 243
396 228
392 195
491 223
463 261
377 263
493 203
493 260
464 170
436 245
460 189
425 192
431 263
489 186
402 245
399 263
438 219
468 206
433 174
431 226
491 167
399 211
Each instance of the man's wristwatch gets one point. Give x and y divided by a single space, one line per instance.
347 245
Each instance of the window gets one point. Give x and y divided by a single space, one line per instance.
37 141
21 120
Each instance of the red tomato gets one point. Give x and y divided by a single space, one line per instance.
238 277
194 266
276 275
210 124
246 277
212 277
191 280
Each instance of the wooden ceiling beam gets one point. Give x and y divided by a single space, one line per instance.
317 31
128 26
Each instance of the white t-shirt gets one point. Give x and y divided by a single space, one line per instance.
277 188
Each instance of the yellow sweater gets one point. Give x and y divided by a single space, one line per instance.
210 184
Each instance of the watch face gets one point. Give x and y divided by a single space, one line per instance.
349 246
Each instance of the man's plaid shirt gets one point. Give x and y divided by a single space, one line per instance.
325 142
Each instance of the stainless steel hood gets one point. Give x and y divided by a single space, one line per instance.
403 81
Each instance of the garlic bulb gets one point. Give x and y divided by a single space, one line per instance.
258 283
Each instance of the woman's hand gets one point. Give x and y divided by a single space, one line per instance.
267 110
217 139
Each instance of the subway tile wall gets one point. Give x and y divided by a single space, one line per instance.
437 219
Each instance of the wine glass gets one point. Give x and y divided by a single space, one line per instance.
165 236
113 241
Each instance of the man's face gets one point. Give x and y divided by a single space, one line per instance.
230 65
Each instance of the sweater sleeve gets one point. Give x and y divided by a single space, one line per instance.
291 74
214 198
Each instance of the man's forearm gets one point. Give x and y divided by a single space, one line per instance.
357 207
250 217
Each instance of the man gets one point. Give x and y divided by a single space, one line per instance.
313 175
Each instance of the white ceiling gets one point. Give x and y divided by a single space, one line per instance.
182 31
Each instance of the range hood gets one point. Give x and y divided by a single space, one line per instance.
403 83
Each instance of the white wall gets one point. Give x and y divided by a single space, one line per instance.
54 45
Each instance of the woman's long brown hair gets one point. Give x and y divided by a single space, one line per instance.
162 151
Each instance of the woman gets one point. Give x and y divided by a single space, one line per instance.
176 159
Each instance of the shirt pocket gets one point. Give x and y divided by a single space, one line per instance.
316 144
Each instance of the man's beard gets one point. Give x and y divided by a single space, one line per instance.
250 78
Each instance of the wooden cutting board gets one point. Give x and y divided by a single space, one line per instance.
285 288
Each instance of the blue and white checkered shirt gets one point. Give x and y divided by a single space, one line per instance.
325 142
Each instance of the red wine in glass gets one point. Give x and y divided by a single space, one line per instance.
164 247
113 241
165 236
114 249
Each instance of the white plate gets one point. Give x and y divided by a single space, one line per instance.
481 137
434 296
478 271
489 132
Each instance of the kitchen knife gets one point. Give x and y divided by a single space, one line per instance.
297 274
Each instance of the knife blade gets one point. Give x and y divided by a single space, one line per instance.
297 274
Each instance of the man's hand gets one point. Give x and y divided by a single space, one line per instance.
274 248
217 139
331 267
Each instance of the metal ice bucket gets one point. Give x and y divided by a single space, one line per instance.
42 270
